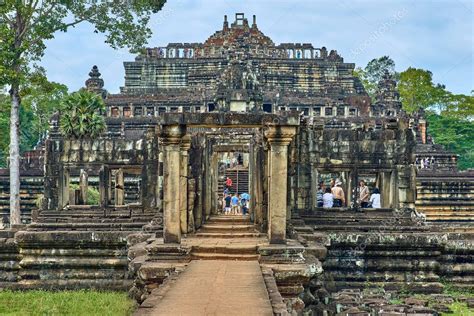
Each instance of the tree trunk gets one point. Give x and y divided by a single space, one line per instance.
15 157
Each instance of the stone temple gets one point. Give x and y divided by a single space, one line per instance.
277 119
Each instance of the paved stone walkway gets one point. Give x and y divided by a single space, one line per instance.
217 287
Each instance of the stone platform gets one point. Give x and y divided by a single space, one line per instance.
215 287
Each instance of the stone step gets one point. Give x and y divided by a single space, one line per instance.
367 228
225 249
228 235
223 256
227 227
229 219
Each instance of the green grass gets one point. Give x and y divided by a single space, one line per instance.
459 309
65 303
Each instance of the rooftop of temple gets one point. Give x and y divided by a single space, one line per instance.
240 69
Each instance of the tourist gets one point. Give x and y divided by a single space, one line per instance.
332 183
338 193
235 204
243 206
363 194
319 194
375 199
228 183
244 202
328 199
228 200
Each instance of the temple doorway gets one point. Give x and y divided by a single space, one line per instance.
198 154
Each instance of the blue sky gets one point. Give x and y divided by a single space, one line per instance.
436 35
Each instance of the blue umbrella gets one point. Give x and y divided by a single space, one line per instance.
245 196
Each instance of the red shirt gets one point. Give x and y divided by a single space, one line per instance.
228 182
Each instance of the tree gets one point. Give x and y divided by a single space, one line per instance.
417 90
373 73
455 134
40 99
459 106
81 115
25 26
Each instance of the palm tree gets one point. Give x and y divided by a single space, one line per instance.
81 115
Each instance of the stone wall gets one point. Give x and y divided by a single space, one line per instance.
98 157
64 260
413 262
445 196
383 148
31 188
381 248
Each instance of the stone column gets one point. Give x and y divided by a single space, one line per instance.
63 195
83 187
214 184
258 192
385 189
119 188
171 138
207 181
183 182
279 137
104 187
406 186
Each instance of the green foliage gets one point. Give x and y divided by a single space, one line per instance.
417 90
25 26
452 115
39 200
80 115
93 194
65 303
41 99
373 73
458 309
456 134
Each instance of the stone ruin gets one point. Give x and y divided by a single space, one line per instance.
301 117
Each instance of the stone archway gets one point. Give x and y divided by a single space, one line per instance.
278 132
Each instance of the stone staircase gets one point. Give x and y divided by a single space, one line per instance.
227 237
366 220
240 179
93 218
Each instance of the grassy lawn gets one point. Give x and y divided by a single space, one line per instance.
65 303
459 309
